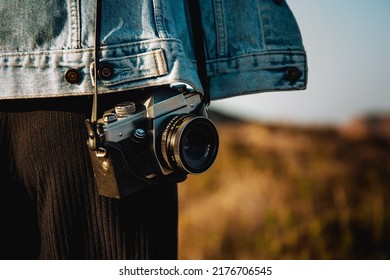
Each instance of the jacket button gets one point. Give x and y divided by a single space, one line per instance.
106 71
293 74
72 76
279 2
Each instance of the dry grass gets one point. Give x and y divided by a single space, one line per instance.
284 192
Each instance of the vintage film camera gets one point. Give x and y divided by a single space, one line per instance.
162 137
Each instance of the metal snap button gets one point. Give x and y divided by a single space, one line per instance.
72 76
293 74
106 71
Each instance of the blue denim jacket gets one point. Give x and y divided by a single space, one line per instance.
46 47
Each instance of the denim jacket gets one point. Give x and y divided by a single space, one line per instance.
46 47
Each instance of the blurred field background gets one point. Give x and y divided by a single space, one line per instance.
280 191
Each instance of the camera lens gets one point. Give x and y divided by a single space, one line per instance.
190 143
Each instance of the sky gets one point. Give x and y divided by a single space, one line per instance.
348 48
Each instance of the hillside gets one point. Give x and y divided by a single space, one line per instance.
289 192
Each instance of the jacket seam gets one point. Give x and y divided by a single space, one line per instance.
159 23
220 28
74 24
264 53
88 50
262 25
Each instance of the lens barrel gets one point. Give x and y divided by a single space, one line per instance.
190 143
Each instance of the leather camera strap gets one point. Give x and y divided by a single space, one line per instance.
91 123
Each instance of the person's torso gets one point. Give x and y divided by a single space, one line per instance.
46 47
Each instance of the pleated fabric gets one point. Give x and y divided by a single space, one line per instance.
50 208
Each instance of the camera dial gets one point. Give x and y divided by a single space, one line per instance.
109 117
125 109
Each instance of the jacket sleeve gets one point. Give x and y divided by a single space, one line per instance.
252 46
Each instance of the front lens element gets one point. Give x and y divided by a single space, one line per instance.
190 143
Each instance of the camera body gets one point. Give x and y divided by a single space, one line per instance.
162 136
